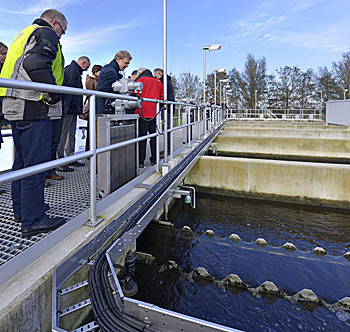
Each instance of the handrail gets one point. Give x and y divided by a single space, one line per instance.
210 123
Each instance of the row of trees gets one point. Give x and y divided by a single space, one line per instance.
288 88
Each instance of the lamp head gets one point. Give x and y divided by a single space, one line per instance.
214 47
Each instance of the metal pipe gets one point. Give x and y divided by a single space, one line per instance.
189 128
122 144
171 133
165 80
11 83
204 74
157 137
215 86
92 138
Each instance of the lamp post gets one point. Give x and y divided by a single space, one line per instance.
214 47
221 70
345 91
227 86
255 97
228 92
225 80
165 83
321 92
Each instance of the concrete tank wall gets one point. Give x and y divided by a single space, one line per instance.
312 183
282 146
287 132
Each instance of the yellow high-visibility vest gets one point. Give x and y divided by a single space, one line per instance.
15 57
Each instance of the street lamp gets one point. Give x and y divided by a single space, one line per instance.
345 91
221 70
225 80
214 47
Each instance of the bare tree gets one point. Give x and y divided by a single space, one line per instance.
251 84
210 89
326 82
189 86
342 75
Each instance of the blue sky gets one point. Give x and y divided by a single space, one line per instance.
306 33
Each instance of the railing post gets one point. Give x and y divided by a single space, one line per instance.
92 142
199 123
165 130
171 133
157 137
189 126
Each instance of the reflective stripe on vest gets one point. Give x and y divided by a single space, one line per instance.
15 56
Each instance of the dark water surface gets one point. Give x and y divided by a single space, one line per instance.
278 223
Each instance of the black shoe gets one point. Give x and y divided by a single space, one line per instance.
65 168
77 164
49 224
141 165
2 191
152 163
47 208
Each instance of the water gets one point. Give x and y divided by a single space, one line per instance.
278 223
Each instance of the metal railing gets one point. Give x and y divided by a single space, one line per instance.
93 152
276 114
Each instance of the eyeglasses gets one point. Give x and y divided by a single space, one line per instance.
63 32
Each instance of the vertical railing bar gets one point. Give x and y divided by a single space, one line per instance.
92 136
171 133
157 137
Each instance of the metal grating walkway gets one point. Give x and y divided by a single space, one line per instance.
67 198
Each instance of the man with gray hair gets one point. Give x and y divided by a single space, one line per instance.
108 75
34 56
72 107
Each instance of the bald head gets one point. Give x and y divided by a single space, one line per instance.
57 21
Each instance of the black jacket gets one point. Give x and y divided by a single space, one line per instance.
170 90
73 104
38 60
108 75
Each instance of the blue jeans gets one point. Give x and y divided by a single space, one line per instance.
56 136
32 141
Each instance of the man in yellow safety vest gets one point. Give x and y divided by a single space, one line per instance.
35 55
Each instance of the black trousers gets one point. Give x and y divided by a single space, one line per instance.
145 127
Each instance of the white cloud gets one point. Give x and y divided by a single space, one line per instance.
93 37
329 40
38 6
257 29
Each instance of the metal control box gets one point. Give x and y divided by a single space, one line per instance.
338 112
119 166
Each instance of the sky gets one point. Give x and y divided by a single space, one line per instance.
304 33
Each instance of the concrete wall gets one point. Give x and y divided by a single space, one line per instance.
26 298
287 132
312 183
281 146
282 125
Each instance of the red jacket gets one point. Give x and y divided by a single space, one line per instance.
153 89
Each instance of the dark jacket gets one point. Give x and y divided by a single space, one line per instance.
73 104
170 92
39 56
108 75
1 115
153 89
